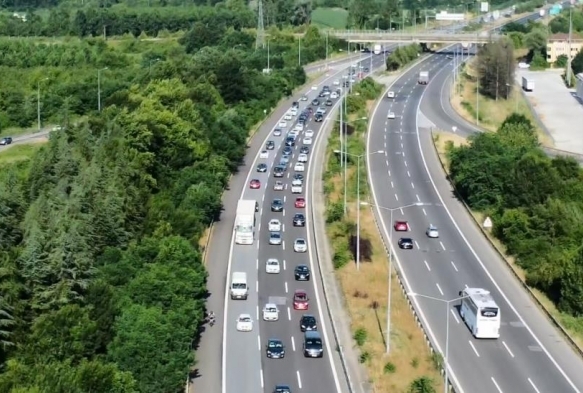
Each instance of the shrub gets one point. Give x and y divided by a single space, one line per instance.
334 212
389 368
360 336
364 357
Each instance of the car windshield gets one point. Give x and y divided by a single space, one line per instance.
301 296
270 309
245 319
277 202
275 344
309 320
302 268
272 262
275 235
300 242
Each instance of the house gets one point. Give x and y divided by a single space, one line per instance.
558 44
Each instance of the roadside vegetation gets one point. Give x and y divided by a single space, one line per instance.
103 287
402 56
410 366
535 203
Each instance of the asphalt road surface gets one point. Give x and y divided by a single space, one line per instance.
245 365
530 355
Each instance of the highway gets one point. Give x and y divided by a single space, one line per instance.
245 365
530 355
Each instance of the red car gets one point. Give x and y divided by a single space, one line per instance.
401 226
254 184
301 301
300 203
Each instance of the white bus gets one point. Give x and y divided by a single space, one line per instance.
480 312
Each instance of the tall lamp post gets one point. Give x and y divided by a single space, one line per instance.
99 88
358 157
38 117
445 360
391 210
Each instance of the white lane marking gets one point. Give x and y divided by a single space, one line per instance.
299 379
263 197
285 284
387 162
261 378
417 245
442 246
424 212
284 265
284 197
293 343
498 288
256 285
402 147
454 316
533 385
427 265
474 348
496 384
283 245
289 314
454 266
258 244
418 199
283 212
439 288
508 349
405 161
283 227
259 342
403 213
389 172
396 197
257 312
412 185
408 173
257 264
392 185
259 227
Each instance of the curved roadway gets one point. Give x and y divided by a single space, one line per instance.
245 366
530 355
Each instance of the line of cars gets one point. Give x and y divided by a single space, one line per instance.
406 243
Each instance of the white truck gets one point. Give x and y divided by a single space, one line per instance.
296 187
423 77
527 84
377 49
245 222
239 286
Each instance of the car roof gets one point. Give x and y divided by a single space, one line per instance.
244 316
406 239
300 292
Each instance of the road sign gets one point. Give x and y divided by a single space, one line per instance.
487 223
444 15
484 6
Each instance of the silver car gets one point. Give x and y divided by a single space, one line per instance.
275 238
432 232
300 245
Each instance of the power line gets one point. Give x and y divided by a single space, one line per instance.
260 40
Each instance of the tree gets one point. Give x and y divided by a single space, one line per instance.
536 40
422 385
577 63
496 68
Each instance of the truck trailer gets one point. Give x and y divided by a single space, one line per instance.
527 84
423 77
245 222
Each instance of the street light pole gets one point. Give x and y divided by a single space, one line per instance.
99 88
38 106
389 293
300 51
326 50
268 57
446 356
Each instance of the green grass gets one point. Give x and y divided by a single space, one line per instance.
334 18
16 153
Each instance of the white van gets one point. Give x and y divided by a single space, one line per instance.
239 286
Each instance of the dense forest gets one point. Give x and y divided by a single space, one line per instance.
102 283
535 204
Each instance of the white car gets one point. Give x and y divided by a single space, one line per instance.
299 167
309 133
299 127
272 266
293 111
391 94
303 157
334 95
432 232
244 323
288 116
300 245
391 115
297 182
278 186
336 82
314 87
264 154
282 124
274 225
270 312
293 133
307 141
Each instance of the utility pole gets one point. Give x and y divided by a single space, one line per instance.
260 39
326 50
569 47
268 55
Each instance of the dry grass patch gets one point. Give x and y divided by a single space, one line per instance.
491 112
441 141
365 292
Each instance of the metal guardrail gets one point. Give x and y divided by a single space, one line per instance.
433 37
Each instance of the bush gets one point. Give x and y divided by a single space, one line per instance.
334 212
364 357
360 336
402 56
389 368
341 254
422 385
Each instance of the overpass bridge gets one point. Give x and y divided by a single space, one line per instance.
434 37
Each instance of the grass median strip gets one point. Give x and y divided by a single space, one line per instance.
410 362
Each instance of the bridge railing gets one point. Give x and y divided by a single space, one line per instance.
438 36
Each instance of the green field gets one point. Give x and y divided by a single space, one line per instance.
18 152
333 18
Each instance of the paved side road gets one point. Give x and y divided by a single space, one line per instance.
32 137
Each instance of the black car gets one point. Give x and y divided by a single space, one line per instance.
277 205
302 273
346 83
315 102
287 150
295 104
262 167
406 243
326 88
275 349
303 117
366 69
322 94
319 117
308 322
304 150
278 171
289 141
329 103
282 389
6 140
270 145
298 176
299 220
